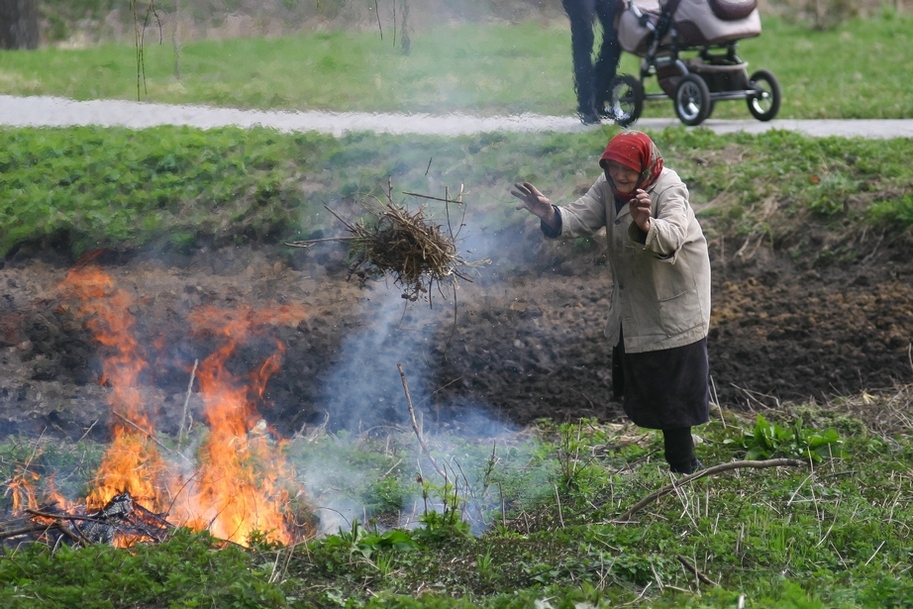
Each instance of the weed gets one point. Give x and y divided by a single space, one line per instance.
893 212
768 439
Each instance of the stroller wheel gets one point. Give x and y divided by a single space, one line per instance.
764 100
692 100
626 100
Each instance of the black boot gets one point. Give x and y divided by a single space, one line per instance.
679 451
689 467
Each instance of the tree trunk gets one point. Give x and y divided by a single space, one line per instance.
18 24
405 41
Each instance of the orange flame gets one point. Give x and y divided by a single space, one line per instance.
236 489
24 491
132 463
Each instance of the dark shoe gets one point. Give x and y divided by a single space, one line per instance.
680 469
694 466
589 118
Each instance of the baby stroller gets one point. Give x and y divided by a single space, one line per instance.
661 33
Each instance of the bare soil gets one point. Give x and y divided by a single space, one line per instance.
522 341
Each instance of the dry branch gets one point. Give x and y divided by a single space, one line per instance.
415 427
694 571
710 471
405 246
401 244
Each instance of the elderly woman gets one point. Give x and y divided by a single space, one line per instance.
660 305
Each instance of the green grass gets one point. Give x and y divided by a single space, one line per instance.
80 189
851 71
828 532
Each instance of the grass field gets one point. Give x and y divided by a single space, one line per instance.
852 71
541 525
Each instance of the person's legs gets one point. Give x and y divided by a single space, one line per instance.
679 450
580 14
609 53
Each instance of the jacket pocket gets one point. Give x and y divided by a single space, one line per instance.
680 313
677 297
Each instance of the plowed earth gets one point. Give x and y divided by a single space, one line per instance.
521 341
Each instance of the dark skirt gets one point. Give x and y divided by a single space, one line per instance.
665 389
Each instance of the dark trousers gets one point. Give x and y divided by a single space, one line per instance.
678 444
592 81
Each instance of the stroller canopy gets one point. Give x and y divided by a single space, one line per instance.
698 23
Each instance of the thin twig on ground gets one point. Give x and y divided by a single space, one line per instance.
710 471
418 432
694 571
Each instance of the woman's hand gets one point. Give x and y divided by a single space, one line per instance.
642 210
534 202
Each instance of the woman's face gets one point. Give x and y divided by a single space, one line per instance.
623 177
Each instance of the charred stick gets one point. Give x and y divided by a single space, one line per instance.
75 536
27 528
56 516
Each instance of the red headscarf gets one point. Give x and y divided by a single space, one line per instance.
635 150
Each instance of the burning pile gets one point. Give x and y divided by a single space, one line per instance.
231 485
406 246
121 522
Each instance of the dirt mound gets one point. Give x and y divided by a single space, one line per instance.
522 341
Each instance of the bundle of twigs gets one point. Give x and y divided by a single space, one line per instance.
404 245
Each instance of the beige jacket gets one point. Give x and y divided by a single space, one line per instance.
661 279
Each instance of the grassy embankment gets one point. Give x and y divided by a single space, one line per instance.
829 533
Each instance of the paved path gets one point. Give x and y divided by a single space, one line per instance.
60 112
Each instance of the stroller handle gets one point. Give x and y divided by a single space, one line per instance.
642 18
